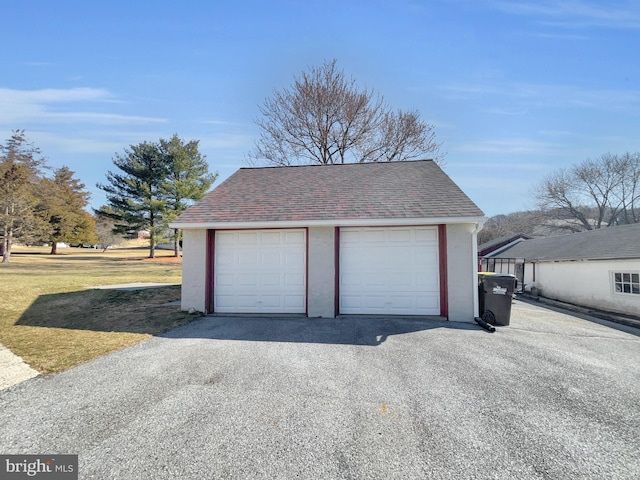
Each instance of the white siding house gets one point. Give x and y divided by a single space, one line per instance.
598 268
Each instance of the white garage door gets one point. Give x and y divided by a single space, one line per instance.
260 271
389 271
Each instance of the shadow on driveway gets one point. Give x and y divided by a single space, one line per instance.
346 330
146 311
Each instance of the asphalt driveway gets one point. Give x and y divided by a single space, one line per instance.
552 396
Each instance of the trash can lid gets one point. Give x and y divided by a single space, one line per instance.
494 274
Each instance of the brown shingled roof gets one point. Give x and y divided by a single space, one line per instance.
416 189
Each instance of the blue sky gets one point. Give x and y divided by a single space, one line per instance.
515 89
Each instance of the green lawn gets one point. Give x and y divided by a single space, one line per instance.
52 317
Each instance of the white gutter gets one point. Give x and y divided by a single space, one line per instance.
356 222
474 256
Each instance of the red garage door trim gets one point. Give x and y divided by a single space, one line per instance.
211 250
440 249
210 264
442 255
336 269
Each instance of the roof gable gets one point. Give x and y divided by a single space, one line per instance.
617 242
415 189
504 242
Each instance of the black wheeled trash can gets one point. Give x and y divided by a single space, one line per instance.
495 292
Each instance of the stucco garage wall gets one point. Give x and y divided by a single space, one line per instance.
462 277
587 283
461 271
194 269
322 273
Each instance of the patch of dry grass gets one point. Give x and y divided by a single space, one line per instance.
52 317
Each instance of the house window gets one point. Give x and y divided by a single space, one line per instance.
626 282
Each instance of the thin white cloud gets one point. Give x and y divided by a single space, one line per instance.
226 140
510 146
53 95
557 133
77 145
38 64
561 36
577 13
506 111
222 123
103 118
20 107
499 166
527 95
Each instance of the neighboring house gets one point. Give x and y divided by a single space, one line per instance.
393 238
497 245
487 261
596 268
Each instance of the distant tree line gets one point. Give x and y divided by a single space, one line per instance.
36 207
154 184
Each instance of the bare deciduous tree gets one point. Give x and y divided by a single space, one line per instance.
325 118
628 192
596 193
558 196
105 231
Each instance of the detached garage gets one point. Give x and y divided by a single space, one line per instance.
326 240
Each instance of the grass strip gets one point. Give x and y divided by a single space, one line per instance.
52 317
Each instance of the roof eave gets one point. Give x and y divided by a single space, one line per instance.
503 248
586 259
347 222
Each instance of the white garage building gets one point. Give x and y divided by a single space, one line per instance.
326 240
